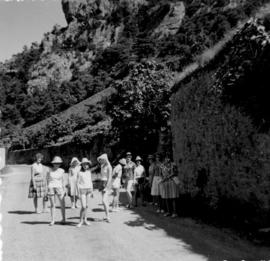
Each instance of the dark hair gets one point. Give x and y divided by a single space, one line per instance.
39 156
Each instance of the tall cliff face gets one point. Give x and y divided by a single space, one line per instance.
93 25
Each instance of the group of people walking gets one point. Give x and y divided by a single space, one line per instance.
158 185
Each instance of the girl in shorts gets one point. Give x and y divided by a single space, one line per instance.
106 180
85 188
116 183
56 187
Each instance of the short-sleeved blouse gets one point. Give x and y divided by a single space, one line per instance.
85 180
55 178
38 171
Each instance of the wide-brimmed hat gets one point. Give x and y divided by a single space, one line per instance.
86 161
123 161
129 154
138 158
57 160
74 159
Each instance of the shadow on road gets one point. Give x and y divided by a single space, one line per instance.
98 209
89 218
194 236
67 223
21 212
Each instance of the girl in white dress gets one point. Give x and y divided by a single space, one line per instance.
116 183
72 181
85 188
106 182
56 187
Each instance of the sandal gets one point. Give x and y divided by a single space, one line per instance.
107 220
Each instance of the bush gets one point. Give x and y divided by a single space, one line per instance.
141 107
57 128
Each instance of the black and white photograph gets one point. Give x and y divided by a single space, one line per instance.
134 130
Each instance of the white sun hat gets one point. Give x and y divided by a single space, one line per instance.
57 160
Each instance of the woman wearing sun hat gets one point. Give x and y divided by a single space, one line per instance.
56 187
74 169
116 183
157 177
85 188
106 180
38 183
170 191
139 175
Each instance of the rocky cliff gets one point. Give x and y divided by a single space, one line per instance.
91 28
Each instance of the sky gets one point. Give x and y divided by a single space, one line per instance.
25 21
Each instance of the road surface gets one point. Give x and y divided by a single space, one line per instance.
138 235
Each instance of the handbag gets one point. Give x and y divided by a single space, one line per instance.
176 180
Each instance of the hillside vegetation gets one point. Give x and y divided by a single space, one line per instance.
96 48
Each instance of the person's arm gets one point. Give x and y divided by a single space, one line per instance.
63 180
134 173
109 169
48 176
69 175
33 177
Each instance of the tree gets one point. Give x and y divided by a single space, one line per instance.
141 107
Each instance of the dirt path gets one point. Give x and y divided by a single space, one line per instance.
140 235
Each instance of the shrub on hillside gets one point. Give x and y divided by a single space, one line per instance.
141 106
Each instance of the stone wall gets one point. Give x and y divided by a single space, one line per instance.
65 151
2 158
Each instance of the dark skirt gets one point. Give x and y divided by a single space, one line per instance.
101 184
40 191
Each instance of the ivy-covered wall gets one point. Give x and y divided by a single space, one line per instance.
220 127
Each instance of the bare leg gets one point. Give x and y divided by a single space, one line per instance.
114 199
63 210
85 212
44 205
83 204
105 204
35 201
129 196
72 198
117 197
136 196
52 200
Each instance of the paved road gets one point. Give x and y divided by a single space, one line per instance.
133 235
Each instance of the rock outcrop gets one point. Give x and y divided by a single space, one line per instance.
90 28
172 21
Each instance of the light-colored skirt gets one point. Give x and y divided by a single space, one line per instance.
73 190
130 185
155 190
169 190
